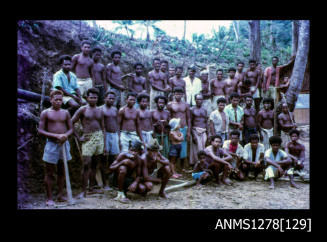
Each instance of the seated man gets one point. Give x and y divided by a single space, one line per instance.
201 173
253 155
295 150
235 149
278 162
149 163
218 160
127 168
66 81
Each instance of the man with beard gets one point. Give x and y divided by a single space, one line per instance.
217 87
177 81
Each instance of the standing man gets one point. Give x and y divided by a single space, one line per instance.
253 75
136 82
219 121
250 120
206 93
129 123
56 125
164 68
160 119
145 116
265 119
217 87
177 81
230 84
193 86
271 79
286 123
239 75
179 109
110 114
99 75
158 83
172 72
113 75
66 81
93 138
235 114
200 129
82 66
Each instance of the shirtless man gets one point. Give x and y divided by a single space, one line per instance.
295 150
206 93
239 75
172 72
243 90
110 114
66 81
113 75
93 138
129 123
158 83
160 119
200 129
164 68
286 124
218 160
271 79
150 160
230 84
217 87
265 119
179 109
145 116
283 87
99 75
56 125
127 171
177 81
250 120
136 82
253 75
82 66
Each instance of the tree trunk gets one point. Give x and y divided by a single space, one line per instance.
147 33
301 59
295 36
254 38
236 31
184 30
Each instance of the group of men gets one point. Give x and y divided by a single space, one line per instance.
135 138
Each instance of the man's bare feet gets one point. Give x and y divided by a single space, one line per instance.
61 199
82 195
294 185
226 181
163 195
272 186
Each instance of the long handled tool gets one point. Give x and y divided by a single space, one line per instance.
68 187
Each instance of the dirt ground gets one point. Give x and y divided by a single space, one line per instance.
248 194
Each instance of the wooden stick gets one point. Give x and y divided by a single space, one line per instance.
68 187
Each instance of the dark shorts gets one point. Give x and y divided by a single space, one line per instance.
247 133
113 181
102 92
175 150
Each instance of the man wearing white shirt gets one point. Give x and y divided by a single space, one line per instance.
218 120
193 86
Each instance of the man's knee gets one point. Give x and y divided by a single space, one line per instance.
73 104
148 186
122 170
141 188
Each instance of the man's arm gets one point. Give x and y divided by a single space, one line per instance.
212 128
69 124
93 76
138 127
74 63
188 121
218 159
111 82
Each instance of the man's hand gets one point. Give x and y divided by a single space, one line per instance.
132 187
188 137
105 151
61 138
281 171
257 164
84 138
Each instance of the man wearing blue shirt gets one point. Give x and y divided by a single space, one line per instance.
66 81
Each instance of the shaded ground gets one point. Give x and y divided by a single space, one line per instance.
242 195
248 194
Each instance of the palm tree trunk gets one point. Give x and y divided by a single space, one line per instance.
300 64
295 36
184 30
